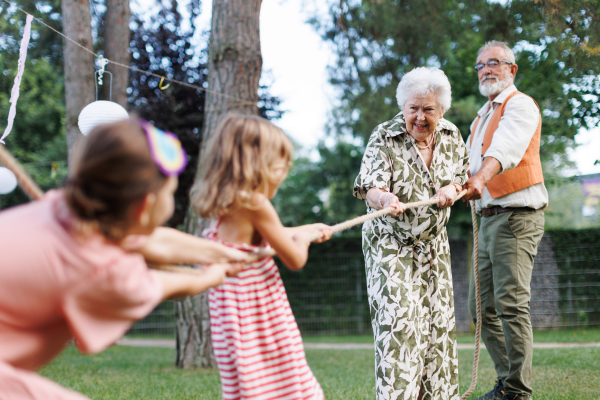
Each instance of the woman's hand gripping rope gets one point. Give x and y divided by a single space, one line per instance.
391 210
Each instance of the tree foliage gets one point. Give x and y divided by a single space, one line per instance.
166 43
38 136
377 41
163 45
321 191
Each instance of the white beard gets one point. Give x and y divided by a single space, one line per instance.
491 89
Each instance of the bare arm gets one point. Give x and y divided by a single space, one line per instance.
311 230
291 246
177 285
170 246
475 185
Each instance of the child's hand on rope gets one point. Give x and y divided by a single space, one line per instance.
215 274
325 231
237 256
234 269
447 195
317 233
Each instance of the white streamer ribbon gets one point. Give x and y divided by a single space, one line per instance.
14 95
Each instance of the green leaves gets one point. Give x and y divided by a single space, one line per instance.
322 191
377 41
557 45
38 137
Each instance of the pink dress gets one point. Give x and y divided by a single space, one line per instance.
54 288
256 340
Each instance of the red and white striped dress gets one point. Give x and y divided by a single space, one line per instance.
256 340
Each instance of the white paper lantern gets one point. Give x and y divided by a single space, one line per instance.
8 181
98 113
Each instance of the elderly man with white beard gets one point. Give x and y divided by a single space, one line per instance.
508 186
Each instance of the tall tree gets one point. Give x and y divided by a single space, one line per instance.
79 65
178 109
116 46
234 68
378 41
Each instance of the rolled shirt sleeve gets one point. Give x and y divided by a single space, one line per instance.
375 168
515 131
462 162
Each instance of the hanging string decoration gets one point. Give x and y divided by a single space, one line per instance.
101 111
14 94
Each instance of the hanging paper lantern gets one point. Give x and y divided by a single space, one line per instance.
98 113
8 181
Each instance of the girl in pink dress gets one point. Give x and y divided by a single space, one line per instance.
257 343
73 265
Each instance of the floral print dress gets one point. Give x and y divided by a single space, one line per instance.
407 261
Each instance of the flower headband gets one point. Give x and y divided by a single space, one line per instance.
165 149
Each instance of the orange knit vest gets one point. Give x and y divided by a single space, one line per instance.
529 170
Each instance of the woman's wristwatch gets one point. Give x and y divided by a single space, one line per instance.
458 187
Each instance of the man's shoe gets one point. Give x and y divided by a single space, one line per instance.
511 396
496 393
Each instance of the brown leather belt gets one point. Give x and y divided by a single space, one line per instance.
486 212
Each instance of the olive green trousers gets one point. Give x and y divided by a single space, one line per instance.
508 243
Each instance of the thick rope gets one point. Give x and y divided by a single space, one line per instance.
191 270
477 302
385 211
35 193
28 185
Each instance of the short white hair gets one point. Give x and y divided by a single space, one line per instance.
510 56
424 81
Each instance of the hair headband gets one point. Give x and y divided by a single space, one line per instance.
165 149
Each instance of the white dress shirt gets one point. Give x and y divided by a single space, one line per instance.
510 141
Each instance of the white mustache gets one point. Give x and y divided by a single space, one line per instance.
489 77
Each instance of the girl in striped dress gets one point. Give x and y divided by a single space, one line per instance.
256 340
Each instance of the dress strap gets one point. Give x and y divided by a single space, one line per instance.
211 233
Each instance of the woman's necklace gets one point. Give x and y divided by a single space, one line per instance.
425 147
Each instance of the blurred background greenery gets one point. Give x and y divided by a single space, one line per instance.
375 42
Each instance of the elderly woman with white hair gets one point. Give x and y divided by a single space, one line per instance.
415 156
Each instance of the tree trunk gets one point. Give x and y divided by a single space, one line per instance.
116 48
235 61
79 65
234 69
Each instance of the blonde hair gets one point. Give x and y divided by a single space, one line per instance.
237 161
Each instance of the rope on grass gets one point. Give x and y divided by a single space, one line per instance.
477 302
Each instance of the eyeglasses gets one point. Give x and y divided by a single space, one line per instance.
492 64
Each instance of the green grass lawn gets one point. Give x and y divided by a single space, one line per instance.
148 373
562 336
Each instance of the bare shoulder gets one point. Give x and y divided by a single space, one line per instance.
259 207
